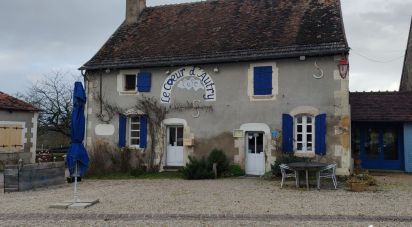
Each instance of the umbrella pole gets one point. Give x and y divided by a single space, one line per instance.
75 195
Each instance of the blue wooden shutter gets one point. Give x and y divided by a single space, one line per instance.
287 133
144 81
143 131
262 80
320 131
122 130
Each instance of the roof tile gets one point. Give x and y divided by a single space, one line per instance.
223 31
381 106
8 102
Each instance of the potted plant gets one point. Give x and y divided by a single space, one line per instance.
360 182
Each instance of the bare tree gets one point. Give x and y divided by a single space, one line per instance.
53 95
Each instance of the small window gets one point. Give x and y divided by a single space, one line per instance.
130 83
304 136
134 131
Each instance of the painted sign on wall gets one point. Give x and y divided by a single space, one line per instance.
189 78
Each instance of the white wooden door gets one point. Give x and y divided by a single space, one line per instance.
174 155
255 155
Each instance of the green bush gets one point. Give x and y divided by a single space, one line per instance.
197 169
217 156
235 171
285 159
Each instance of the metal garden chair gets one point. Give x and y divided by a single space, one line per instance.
288 172
328 172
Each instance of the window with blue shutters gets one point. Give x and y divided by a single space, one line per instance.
137 131
144 81
262 80
304 133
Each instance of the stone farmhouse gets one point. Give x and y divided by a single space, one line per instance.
254 78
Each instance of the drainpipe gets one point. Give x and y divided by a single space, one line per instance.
86 109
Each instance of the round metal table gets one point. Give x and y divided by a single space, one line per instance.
307 166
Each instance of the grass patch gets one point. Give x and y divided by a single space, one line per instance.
150 176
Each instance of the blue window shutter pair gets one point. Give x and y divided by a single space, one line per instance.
320 138
143 131
122 131
262 80
320 134
144 81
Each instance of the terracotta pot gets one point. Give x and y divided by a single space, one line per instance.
357 186
358 162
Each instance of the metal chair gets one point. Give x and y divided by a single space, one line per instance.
328 172
288 172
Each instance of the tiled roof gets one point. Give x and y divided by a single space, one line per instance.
406 80
225 31
381 106
8 102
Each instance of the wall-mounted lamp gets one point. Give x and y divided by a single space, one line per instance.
107 70
83 72
167 72
343 67
216 70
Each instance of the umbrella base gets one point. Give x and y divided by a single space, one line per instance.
70 204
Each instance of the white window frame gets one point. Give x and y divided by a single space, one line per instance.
275 82
304 133
130 130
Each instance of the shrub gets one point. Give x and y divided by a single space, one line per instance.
235 171
137 172
106 159
217 156
285 159
197 169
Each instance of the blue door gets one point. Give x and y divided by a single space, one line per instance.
380 145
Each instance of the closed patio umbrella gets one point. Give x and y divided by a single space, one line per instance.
77 158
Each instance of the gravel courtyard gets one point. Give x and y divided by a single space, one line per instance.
240 201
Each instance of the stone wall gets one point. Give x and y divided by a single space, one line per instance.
295 87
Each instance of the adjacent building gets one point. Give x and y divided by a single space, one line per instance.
18 130
382 124
254 78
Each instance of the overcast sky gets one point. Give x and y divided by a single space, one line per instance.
39 36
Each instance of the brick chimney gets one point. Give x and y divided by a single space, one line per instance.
133 10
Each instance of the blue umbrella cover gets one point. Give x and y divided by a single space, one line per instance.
77 154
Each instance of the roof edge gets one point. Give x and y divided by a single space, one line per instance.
189 60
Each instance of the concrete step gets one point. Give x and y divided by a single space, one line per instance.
172 168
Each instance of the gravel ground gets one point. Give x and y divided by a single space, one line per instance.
254 200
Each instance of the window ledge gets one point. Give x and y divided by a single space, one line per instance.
134 147
128 92
263 96
305 154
